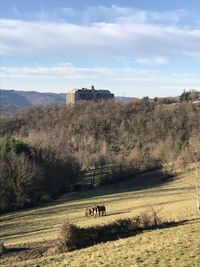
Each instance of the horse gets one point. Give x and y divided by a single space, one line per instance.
94 211
101 210
88 212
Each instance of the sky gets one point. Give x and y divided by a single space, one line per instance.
133 48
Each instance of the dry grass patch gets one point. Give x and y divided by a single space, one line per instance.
168 247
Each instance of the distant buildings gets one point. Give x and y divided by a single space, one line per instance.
75 95
192 96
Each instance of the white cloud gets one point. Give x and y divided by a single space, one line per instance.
152 61
114 39
116 13
130 81
68 71
124 36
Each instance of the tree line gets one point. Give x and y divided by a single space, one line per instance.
29 175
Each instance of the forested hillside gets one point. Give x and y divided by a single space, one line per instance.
129 138
13 100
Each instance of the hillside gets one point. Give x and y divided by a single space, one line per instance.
118 139
133 149
31 234
12 100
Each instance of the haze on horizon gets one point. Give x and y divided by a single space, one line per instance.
133 48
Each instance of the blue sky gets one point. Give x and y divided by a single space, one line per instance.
134 48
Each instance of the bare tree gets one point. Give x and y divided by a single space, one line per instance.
192 154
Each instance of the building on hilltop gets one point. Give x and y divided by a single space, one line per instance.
75 95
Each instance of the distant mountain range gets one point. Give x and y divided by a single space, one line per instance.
12 101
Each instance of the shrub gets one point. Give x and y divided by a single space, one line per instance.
68 237
72 237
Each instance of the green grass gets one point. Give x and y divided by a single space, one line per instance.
175 199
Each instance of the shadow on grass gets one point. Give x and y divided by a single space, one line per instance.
175 224
100 234
145 181
24 253
117 213
15 249
39 250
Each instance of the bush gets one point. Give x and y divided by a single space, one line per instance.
72 237
149 219
68 237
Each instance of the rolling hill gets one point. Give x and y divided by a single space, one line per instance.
12 100
30 235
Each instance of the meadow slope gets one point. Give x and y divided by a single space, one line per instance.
30 235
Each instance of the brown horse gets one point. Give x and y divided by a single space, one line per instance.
88 212
101 210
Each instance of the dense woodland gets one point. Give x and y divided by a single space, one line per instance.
44 150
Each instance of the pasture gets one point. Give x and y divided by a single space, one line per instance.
30 235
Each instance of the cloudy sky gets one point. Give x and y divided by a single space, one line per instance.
134 48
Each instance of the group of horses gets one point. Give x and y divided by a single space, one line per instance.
95 211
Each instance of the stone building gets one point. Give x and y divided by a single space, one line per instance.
75 95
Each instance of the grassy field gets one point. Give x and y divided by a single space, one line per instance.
30 235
